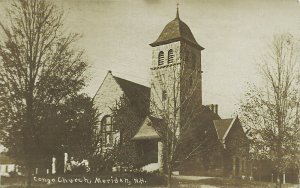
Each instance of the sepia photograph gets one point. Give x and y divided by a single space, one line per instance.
150 93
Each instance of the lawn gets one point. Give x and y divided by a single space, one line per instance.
231 183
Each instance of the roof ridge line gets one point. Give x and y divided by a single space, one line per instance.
108 72
230 126
131 81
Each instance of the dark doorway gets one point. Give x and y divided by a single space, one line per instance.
148 151
59 163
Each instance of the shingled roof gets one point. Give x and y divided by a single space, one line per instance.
222 126
138 94
176 30
147 130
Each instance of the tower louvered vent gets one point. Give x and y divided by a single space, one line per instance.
161 58
170 56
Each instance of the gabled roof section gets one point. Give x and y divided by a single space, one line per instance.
130 88
133 90
176 30
223 127
152 128
146 131
107 74
158 125
137 94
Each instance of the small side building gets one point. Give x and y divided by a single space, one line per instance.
7 165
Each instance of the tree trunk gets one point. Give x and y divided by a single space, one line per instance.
259 173
251 172
278 182
169 176
29 132
299 175
29 175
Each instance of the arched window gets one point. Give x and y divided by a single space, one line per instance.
107 130
161 58
170 56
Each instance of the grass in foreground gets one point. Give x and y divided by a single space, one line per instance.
231 183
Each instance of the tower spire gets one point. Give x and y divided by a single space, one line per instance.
177 13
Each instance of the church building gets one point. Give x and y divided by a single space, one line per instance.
203 142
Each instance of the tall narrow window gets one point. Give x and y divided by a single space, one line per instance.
161 58
193 61
107 130
170 56
164 95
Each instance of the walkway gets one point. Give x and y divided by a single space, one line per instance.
191 179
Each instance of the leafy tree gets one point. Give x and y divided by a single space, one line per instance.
200 143
68 127
123 153
81 119
271 110
127 120
40 68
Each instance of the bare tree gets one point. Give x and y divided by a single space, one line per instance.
176 100
39 67
272 110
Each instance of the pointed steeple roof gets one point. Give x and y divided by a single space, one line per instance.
177 12
176 30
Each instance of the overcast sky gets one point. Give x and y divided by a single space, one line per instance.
234 33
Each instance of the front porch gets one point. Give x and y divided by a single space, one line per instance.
150 153
237 166
150 147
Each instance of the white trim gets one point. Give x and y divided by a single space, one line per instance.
216 128
230 126
101 84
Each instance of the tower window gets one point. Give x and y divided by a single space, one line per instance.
107 130
161 58
164 95
193 62
170 56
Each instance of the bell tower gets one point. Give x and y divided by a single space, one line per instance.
176 74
